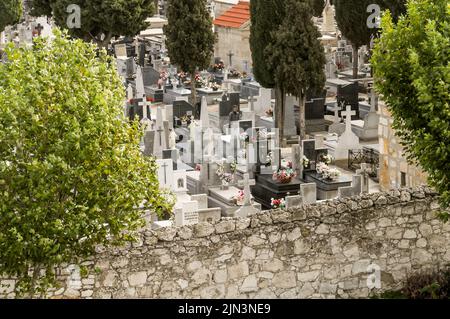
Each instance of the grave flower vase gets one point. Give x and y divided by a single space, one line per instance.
285 180
225 185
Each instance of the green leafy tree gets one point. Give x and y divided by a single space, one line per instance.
10 12
351 18
297 56
190 37
101 20
266 17
71 171
411 63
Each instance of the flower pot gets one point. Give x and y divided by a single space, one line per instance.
285 180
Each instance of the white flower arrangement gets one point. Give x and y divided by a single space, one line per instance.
327 172
322 167
331 173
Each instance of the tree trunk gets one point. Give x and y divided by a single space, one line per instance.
355 61
301 117
279 113
34 278
104 44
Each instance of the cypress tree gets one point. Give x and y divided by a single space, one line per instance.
317 7
266 17
101 20
297 56
190 37
10 12
351 18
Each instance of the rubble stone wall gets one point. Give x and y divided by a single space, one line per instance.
327 250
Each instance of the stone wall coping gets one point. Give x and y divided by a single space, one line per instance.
316 211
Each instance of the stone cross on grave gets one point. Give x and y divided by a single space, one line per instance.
159 143
364 172
144 104
348 118
247 209
230 56
165 172
39 29
336 110
251 103
160 130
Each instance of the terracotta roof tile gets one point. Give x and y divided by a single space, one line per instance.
235 17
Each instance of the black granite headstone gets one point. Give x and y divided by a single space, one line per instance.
181 108
150 76
309 149
348 94
315 109
235 99
245 125
138 110
225 106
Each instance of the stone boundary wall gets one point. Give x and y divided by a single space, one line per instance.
323 250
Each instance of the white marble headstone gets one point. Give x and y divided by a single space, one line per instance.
160 141
179 181
187 215
165 173
204 115
263 101
309 193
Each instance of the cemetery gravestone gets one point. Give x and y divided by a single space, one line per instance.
309 193
165 173
290 128
353 190
293 201
188 214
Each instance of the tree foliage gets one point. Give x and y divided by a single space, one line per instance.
317 7
190 37
266 17
396 7
71 171
351 18
41 8
297 56
100 19
10 12
412 68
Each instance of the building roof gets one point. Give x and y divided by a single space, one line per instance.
235 17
